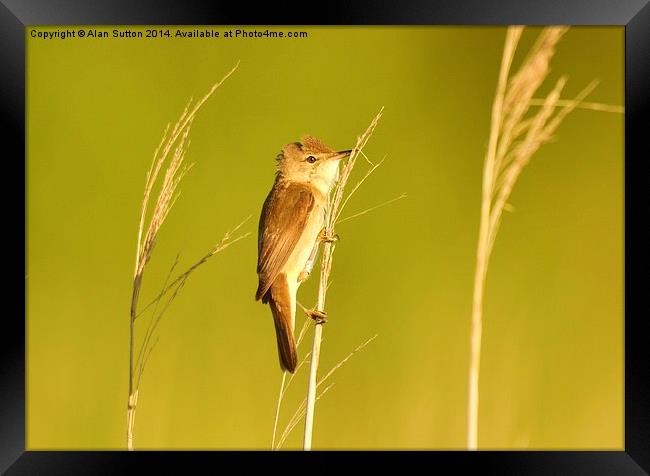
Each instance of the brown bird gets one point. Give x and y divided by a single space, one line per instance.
290 231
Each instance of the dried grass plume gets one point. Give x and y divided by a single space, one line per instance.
170 155
520 125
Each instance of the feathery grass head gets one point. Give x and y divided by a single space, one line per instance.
178 141
520 125
176 169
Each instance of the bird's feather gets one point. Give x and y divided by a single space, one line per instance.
285 215
282 308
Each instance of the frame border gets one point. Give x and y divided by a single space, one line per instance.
16 15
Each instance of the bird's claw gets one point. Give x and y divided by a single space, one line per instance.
319 316
326 237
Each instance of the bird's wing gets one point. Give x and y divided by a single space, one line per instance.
283 220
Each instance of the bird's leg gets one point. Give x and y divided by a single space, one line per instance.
322 237
327 237
319 316
309 265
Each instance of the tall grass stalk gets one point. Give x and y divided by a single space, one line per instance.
283 388
334 207
517 131
301 410
170 153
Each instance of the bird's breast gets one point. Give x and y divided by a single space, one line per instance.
300 254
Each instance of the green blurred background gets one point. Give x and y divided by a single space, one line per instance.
552 368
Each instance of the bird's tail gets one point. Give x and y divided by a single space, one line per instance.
279 299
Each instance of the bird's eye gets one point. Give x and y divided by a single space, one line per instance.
311 159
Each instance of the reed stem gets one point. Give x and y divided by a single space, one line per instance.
335 204
176 140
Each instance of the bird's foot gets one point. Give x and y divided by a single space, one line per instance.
319 316
328 237
304 274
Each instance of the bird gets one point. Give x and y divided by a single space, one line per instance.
291 227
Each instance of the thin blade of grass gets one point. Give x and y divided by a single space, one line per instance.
367 210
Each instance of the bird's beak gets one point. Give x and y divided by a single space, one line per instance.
340 155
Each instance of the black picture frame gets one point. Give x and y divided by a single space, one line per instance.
16 15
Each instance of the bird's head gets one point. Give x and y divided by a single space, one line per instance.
310 161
